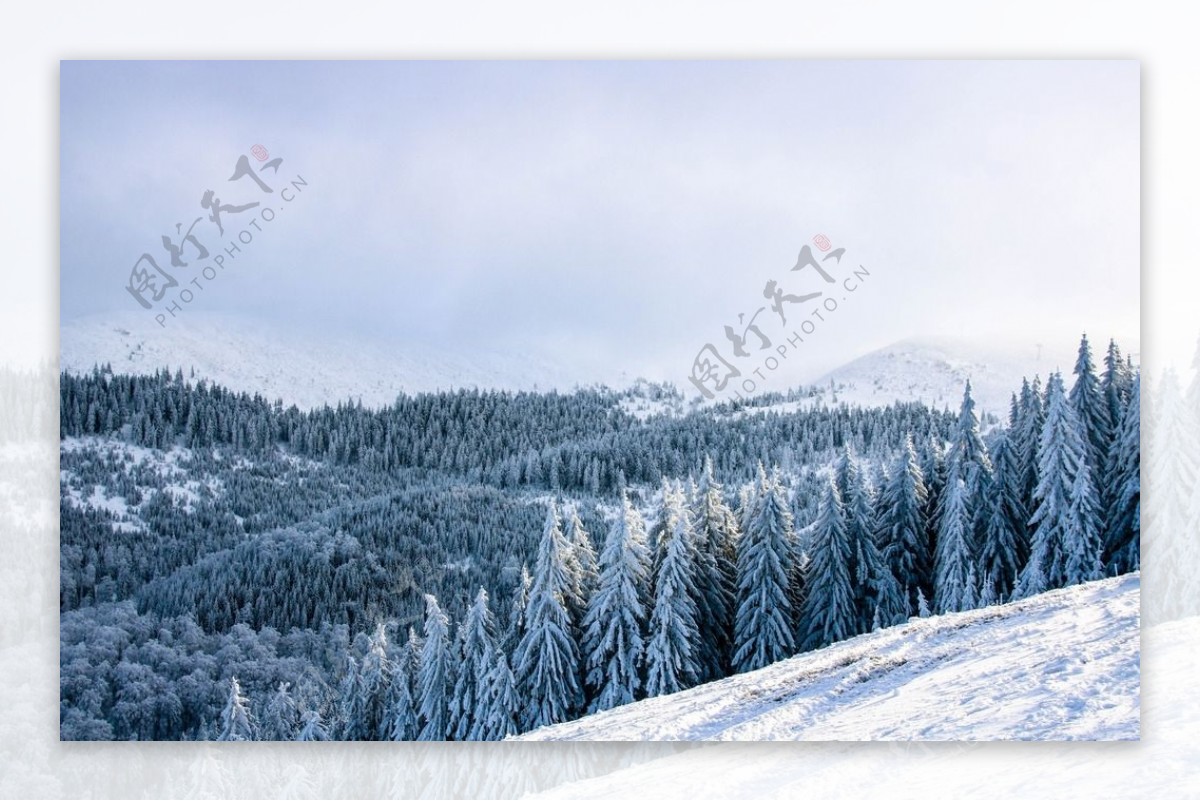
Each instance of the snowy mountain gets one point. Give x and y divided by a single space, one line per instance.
301 367
934 371
1060 666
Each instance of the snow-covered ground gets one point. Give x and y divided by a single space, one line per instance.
1062 666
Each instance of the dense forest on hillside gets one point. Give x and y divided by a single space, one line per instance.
470 564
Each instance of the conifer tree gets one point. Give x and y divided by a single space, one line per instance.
617 613
478 645
763 625
901 522
434 680
1062 454
876 591
1123 534
236 723
1092 411
953 572
500 715
547 657
829 612
716 576
670 658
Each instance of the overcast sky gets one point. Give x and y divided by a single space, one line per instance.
618 213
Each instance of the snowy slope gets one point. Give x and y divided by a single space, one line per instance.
301 367
934 371
1061 666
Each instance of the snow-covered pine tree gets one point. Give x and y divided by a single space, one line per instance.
968 460
763 624
933 469
280 717
312 727
547 657
236 722
1062 453
434 680
1003 551
901 526
671 663
829 613
582 570
876 591
1123 479
402 720
516 611
1116 383
478 645
1026 433
501 713
716 576
953 567
1082 548
1091 410
374 684
617 613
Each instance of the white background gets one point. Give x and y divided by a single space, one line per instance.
34 37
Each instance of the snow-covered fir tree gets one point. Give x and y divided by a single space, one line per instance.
436 676
617 613
901 525
716 575
1092 411
500 714
280 718
402 720
954 564
763 624
312 727
1062 454
1122 542
1003 551
547 657
476 661
671 663
582 569
876 590
829 611
236 722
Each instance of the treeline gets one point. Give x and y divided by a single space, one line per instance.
577 442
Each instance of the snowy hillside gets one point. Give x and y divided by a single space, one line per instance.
1061 666
933 371
304 368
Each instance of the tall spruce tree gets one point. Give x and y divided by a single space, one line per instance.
829 612
547 658
876 591
1003 552
1122 542
436 676
716 576
1062 454
236 723
901 526
1092 411
478 646
671 663
617 613
954 574
763 624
